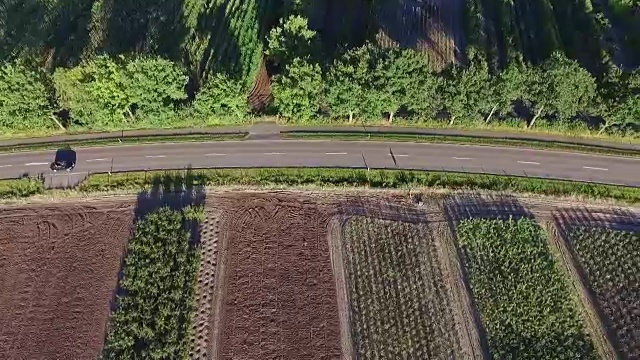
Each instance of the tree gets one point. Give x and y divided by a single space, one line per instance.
297 93
222 96
105 91
24 99
573 88
291 39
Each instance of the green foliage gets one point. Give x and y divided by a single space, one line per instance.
523 299
154 312
394 280
351 177
20 188
106 91
291 39
222 96
297 93
24 98
611 261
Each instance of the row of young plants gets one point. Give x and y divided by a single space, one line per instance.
156 298
610 260
523 299
399 305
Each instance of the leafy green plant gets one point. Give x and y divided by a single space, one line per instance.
523 299
611 261
153 313
20 188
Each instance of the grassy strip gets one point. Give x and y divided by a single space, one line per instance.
467 140
20 188
157 302
122 141
523 299
391 179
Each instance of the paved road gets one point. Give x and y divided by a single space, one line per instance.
265 153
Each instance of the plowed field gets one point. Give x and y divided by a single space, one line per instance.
58 271
279 297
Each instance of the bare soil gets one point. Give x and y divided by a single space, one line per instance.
58 272
278 300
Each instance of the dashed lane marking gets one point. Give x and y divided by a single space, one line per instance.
462 158
275 153
595 168
215 154
529 162
36 163
336 153
5 166
155 156
93 160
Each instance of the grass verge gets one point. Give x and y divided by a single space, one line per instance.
465 140
122 141
20 188
385 179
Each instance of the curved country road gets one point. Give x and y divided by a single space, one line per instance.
316 153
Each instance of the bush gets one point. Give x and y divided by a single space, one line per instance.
20 188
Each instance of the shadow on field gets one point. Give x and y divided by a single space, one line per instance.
168 190
458 207
615 219
382 210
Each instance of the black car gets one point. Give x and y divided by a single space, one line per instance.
62 165
65 160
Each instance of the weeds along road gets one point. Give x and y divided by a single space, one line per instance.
320 153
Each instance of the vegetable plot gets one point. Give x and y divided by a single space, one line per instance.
400 306
523 299
611 262
154 312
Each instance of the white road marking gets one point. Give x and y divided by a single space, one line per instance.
459 158
155 156
336 153
4 166
275 153
38 163
401 155
214 154
92 160
595 168
529 162
68 173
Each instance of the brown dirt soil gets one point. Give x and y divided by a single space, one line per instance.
278 300
58 273
260 95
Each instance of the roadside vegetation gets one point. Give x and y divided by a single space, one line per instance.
524 301
87 66
156 299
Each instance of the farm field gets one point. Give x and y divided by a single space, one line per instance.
58 271
334 274
400 293
522 298
609 261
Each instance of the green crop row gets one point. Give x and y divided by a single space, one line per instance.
400 308
611 262
524 301
156 304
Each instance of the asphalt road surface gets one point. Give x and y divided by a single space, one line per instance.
312 153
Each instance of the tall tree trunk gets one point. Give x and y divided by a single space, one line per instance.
604 127
453 118
350 117
493 111
533 121
390 118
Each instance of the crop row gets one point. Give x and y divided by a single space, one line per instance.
157 290
399 302
523 299
611 263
